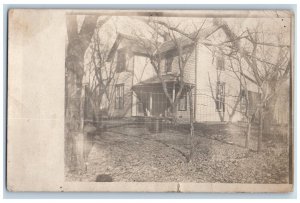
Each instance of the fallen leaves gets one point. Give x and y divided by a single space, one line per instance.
131 153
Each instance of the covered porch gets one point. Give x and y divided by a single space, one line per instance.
152 100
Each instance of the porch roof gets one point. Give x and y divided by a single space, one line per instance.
169 78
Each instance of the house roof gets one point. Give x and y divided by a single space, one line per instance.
188 40
170 45
155 80
139 45
136 44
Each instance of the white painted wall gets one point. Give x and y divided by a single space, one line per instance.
205 106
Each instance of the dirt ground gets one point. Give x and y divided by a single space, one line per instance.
131 153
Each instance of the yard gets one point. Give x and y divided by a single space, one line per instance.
131 153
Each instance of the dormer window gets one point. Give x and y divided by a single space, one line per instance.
121 61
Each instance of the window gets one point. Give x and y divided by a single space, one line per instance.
220 63
168 64
220 97
182 103
119 100
121 61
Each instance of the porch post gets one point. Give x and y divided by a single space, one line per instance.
173 95
150 103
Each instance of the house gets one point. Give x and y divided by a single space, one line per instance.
138 91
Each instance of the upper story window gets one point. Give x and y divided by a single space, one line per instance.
121 61
220 96
119 99
220 63
168 64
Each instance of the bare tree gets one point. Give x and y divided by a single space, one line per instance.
267 66
248 111
182 43
79 39
101 77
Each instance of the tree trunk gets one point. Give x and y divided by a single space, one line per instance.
260 135
174 113
97 114
192 146
234 108
78 42
248 133
73 120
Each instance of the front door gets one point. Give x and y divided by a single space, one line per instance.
159 104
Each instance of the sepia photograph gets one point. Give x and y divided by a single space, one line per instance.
150 100
164 97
